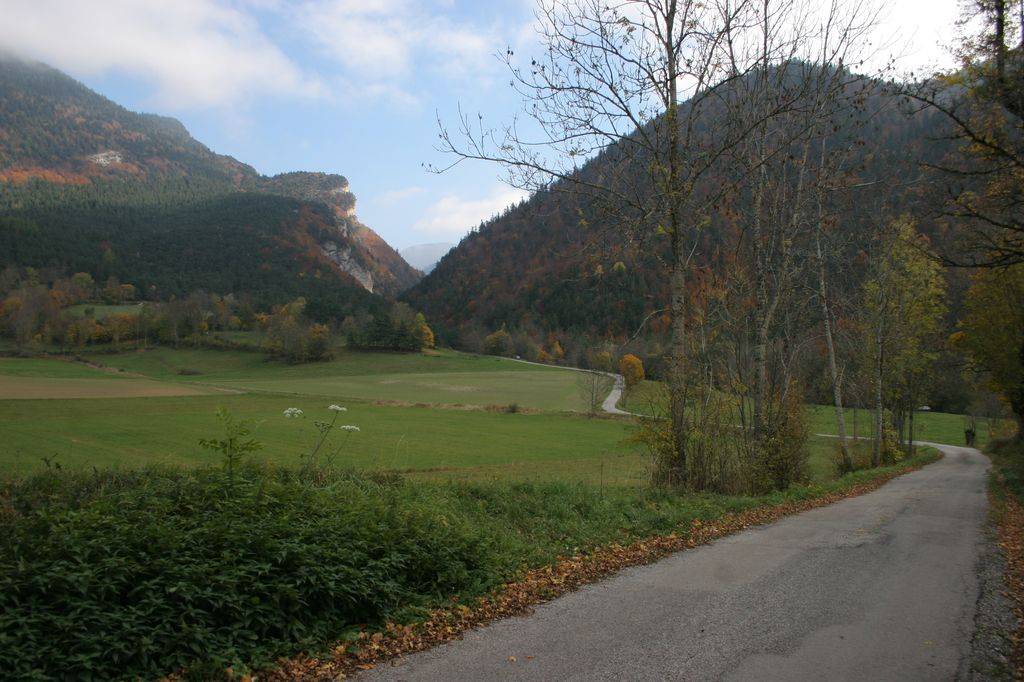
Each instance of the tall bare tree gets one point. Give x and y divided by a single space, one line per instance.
667 93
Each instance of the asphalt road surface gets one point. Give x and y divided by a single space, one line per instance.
877 587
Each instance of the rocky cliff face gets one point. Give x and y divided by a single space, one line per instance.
358 250
349 262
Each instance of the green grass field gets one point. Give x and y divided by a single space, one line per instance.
153 406
101 311
28 378
442 377
117 432
937 427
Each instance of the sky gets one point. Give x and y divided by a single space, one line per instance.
354 87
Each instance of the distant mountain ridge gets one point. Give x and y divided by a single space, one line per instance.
60 141
555 263
424 257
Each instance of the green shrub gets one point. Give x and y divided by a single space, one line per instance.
141 574
1008 457
135 574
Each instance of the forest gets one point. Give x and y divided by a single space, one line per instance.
86 185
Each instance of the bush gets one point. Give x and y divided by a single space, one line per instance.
498 343
632 370
122 576
1008 457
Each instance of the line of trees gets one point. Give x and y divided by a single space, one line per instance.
724 133
985 192
722 139
41 310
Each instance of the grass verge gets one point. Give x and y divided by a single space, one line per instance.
141 573
1007 497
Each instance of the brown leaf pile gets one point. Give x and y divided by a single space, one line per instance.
544 584
1011 540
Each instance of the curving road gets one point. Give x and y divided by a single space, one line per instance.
614 395
877 587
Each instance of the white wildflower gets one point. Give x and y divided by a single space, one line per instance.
349 427
292 412
337 408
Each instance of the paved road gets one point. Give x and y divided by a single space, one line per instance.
878 587
610 403
614 395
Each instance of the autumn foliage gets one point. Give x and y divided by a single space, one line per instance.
632 370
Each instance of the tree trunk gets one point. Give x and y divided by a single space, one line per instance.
680 261
999 40
911 419
837 388
1017 407
876 453
677 374
1017 401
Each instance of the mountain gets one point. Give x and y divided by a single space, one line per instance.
556 263
364 254
424 257
86 184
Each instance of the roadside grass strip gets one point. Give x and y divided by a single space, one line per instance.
536 586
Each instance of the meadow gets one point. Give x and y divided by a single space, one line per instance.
433 377
936 427
434 415
429 501
101 311
28 378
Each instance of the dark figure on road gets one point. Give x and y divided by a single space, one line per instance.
969 436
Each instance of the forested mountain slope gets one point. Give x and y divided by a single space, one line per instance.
88 185
557 262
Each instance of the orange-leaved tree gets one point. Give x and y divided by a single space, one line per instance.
632 370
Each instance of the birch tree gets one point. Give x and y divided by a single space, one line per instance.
662 93
904 304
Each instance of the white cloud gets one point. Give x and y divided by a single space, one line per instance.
918 34
402 194
385 45
197 53
452 216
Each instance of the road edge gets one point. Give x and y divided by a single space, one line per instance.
550 582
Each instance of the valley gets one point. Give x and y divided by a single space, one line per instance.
680 340
437 415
